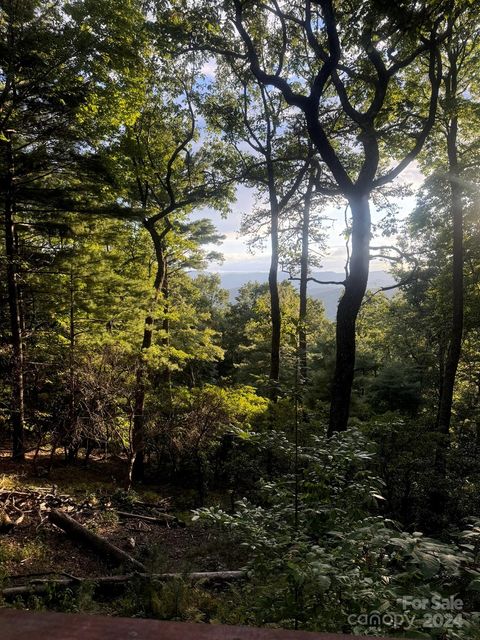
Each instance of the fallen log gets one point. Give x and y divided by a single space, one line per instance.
103 547
39 586
163 520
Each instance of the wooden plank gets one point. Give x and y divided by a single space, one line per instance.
27 625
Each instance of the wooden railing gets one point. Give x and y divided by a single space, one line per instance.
26 625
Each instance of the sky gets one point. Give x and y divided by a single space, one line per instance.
239 258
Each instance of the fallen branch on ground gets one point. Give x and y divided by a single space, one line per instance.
44 499
34 493
165 519
100 545
39 586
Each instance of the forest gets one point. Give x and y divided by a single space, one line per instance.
171 449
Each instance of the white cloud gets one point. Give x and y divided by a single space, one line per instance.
238 257
209 68
412 175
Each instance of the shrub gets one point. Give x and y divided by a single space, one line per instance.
323 559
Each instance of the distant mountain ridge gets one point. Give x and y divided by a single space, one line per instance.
327 293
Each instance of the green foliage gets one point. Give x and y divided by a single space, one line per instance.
247 335
121 145
320 558
175 600
189 438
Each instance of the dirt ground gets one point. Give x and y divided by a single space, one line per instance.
93 496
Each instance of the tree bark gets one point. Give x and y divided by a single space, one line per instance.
166 375
456 331
70 435
136 467
275 311
348 308
302 314
17 369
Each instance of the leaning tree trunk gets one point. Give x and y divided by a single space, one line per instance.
17 406
348 308
302 314
136 467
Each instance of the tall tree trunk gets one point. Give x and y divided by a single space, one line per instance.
72 391
302 314
456 332
136 469
348 308
17 406
275 311
166 376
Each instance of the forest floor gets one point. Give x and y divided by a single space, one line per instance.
35 546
